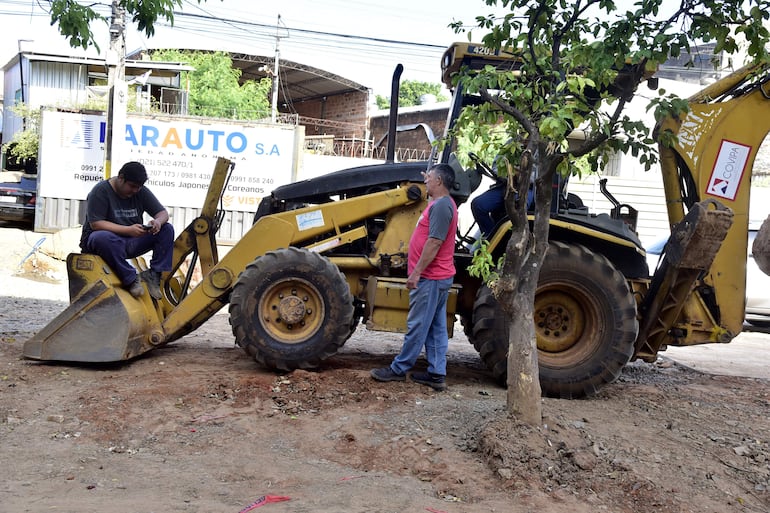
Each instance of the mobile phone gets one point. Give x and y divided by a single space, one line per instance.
147 227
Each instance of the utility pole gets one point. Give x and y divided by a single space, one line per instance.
276 78
116 83
21 80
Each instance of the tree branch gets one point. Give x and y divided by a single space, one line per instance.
516 114
531 38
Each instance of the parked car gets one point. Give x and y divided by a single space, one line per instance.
757 282
17 198
757 289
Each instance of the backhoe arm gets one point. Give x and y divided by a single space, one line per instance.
292 228
712 159
198 238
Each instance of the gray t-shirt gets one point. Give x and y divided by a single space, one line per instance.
440 217
103 204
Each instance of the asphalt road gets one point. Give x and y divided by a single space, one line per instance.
748 355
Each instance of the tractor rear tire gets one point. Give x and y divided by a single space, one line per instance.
489 334
585 323
291 309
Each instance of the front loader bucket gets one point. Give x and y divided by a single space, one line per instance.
104 323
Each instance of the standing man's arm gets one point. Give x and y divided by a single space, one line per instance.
429 252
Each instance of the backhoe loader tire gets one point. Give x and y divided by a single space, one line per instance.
488 333
585 323
291 309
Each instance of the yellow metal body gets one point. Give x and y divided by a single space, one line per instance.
282 230
716 146
499 237
387 305
105 323
476 56
717 143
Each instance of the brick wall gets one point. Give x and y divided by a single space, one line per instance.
346 115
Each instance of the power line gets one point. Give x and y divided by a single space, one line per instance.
314 45
237 23
354 50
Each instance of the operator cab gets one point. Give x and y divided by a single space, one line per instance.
565 206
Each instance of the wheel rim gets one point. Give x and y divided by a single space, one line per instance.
565 324
291 310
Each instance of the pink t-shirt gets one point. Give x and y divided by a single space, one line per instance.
439 221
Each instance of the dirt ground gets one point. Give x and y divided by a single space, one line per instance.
197 426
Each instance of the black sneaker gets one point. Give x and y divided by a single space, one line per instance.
152 279
135 288
386 374
435 381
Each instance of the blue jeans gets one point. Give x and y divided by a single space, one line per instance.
488 208
485 206
425 326
115 250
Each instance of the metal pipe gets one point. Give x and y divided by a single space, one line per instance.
393 120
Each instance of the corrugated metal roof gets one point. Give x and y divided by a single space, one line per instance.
299 82
134 68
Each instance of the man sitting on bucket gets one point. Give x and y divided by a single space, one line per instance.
114 229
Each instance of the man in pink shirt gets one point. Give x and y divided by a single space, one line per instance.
431 272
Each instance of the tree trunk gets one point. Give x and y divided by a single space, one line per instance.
523 398
518 301
516 287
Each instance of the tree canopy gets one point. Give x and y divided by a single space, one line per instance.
74 19
577 57
410 92
214 88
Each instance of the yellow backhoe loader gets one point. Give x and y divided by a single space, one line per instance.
327 254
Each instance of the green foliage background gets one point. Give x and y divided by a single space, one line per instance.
409 94
214 90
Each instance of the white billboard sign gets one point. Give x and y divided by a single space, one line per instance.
179 156
729 169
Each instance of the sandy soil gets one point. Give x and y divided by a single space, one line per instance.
197 426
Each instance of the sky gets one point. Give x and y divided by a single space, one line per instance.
361 40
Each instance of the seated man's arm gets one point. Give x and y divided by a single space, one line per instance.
158 221
134 230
